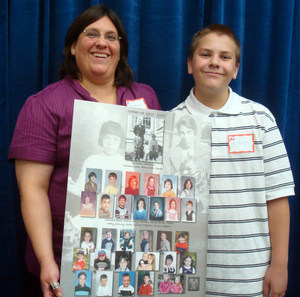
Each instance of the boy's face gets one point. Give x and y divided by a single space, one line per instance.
108 235
181 239
146 279
163 236
103 282
126 281
189 207
105 203
146 235
214 63
122 202
87 237
81 280
127 235
112 181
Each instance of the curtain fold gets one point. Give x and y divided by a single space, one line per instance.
159 33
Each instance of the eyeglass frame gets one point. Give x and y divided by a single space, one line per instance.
104 34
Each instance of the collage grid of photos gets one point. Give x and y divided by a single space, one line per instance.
133 259
136 194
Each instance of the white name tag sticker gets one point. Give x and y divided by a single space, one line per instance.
243 143
140 103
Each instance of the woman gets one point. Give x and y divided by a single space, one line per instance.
187 189
94 69
168 185
150 265
150 188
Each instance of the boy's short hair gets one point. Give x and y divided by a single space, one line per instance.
126 233
105 196
125 274
113 174
108 231
190 202
219 29
103 276
147 274
122 196
91 174
181 235
188 122
80 274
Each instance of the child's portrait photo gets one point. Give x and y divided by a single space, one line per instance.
188 210
104 283
123 261
169 186
157 208
169 261
80 259
113 179
126 283
132 183
145 283
177 284
88 204
83 280
193 283
187 263
102 259
164 241
187 189
147 261
88 238
181 241
126 240
109 237
93 180
172 209
140 207
145 241
164 284
150 184
123 206
106 206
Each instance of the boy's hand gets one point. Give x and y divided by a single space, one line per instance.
275 283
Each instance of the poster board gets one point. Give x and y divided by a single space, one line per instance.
138 177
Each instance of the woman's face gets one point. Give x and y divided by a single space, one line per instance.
87 200
173 205
168 186
111 144
141 205
188 262
133 183
96 58
188 185
150 259
151 182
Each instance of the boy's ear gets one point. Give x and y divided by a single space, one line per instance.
189 64
236 71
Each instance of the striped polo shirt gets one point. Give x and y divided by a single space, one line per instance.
249 166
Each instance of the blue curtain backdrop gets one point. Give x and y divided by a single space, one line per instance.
31 42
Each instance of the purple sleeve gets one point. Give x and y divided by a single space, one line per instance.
35 135
150 97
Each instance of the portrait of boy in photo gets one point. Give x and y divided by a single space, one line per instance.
108 241
113 182
126 283
83 283
104 281
106 206
123 206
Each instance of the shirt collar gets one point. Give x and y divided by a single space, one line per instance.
232 105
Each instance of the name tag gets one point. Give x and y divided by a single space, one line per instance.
243 143
140 103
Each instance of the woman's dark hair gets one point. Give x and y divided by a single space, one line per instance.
91 174
185 183
124 75
137 203
169 181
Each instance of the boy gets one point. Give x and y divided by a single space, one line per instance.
164 243
145 288
190 214
80 263
137 146
145 243
112 188
82 288
126 243
126 289
103 211
121 211
181 246
102 262
249 172
103 289
108 242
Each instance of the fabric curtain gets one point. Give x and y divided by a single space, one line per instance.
159 32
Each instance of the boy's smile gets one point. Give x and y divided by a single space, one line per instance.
213 66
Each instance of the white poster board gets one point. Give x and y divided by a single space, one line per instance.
137 199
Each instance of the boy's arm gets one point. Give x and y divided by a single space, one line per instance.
276 277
